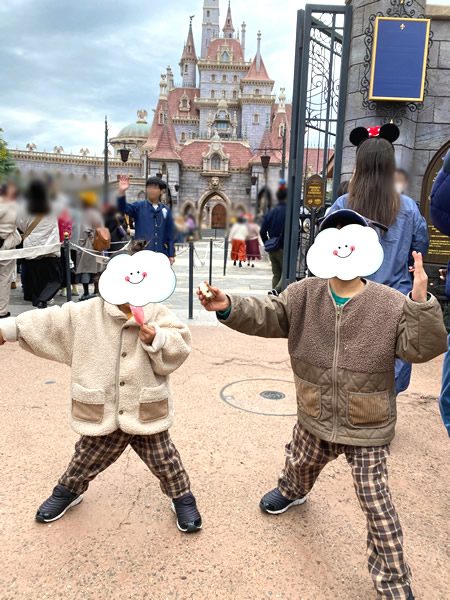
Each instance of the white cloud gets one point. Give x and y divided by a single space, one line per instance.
139 279
353 251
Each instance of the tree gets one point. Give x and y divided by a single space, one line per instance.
6 164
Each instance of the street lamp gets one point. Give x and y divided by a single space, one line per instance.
124 154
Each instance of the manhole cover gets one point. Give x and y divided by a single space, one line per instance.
257 396
269 395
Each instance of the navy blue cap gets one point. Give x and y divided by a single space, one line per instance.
346 216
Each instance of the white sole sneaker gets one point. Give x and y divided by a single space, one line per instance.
178 525
74 503
279 512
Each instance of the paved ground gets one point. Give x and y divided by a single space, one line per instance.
121 542
255 281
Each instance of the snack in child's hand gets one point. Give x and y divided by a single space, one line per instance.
138 314
206 290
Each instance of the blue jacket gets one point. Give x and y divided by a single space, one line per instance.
440 198
407 233
156 226
274 222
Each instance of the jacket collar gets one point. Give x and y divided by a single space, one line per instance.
114 311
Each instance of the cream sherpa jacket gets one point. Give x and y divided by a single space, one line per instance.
118 382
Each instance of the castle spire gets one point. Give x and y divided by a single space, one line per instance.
258 53
243 27
189 60
228 29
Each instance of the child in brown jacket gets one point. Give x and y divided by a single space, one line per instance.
120 393
343 338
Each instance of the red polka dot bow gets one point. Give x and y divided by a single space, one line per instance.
373 131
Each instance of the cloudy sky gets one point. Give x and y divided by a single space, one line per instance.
66 64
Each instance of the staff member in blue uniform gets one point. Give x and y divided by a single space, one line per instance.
153 219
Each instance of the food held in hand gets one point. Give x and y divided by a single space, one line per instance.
138 314
206 290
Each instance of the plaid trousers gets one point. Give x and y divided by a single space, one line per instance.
306 456
93 454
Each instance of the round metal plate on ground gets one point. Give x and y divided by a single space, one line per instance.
258 395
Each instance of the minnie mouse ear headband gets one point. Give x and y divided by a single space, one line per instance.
389 132
346 216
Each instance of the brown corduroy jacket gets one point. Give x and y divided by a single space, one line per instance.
343 357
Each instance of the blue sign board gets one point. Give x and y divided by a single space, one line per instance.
399 59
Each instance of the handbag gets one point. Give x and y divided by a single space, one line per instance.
102 239
272 244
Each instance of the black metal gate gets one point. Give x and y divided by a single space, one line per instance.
318 110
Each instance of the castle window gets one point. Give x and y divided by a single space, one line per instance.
189 48
225 57
281 130
213 77
208 13
185 68
224 77
255 119
213 94
234 95
257 91
235 78
164 169
224 94
215 163
161 117
183 136
185 103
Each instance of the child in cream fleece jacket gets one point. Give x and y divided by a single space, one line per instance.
120 392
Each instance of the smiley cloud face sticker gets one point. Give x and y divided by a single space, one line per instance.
353 251
139 279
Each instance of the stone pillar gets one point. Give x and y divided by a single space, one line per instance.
355 114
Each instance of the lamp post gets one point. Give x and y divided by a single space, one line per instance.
124 154
265 161
105 164
146 165
255 181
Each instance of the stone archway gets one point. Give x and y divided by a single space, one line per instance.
212 195
187 207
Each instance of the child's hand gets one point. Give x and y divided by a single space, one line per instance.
219 302
2 341
419 291
147 334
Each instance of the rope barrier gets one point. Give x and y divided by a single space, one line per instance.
29 253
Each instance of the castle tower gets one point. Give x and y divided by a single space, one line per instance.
188 62
243 28
210 25
228 29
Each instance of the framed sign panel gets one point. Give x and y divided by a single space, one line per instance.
399 59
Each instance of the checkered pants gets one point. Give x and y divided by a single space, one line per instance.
306 456
93 454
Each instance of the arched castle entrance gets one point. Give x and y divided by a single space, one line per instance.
206 204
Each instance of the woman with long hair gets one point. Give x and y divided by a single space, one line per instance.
372 193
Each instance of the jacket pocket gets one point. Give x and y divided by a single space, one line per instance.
309 397
369 410
154 403
87 405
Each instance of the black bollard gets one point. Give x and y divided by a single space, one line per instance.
210 260
225 254
191 277
66 245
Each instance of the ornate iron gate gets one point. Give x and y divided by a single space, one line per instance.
318 107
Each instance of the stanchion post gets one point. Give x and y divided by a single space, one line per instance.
191 277
210 259
225 254
66 245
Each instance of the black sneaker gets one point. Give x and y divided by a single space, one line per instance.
56 506
188 517
275 503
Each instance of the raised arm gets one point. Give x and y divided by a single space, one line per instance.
46 333
268 317
122 204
